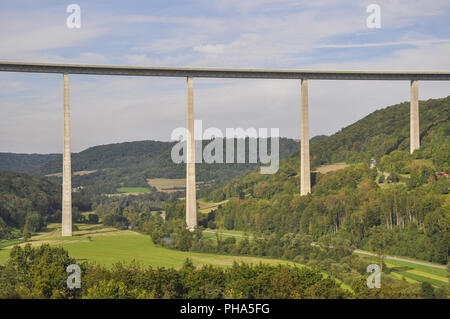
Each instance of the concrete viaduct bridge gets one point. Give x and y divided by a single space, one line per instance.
190 73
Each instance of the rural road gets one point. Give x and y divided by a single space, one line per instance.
401 259
360 252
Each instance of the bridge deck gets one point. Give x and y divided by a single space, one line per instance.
220 73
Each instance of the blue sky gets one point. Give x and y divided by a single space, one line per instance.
321 34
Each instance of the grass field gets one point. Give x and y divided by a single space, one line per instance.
206 207
167 184
415 273
134 190
238 235
107 246
170 185
7 243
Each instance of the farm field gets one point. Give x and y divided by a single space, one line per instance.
206 207
415 273
168 185
134 190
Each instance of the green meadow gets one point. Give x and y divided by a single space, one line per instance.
206 207
133 190
107 246
236 234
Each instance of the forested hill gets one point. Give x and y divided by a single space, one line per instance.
403 202
28 203
30 163
26 200
384 131
125 154
130 164
97 157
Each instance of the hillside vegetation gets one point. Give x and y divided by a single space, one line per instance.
384 131
404 199
32 273
130 164
30 163
28 203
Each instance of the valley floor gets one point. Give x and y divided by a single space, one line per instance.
107 246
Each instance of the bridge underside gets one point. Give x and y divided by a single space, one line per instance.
221 73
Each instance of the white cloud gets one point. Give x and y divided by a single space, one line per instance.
26 34
210 48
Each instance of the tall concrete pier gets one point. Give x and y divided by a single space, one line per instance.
414 117
191 197
67 170
305 174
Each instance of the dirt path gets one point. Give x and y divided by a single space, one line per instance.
422 263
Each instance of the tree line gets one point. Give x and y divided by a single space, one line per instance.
41 273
